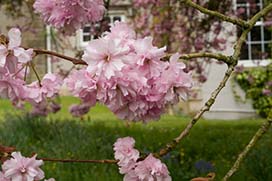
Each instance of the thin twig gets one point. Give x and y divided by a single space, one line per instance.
258 135
78 161
16 73
216 56
36 73
236 21
25 73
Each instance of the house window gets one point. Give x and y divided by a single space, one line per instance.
257 48
85 34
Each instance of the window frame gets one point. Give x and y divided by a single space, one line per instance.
254 62
111 15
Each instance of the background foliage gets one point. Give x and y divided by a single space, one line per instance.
209 147
257 84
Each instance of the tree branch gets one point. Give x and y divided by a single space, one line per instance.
206 107
258 135
236 21
77 161
47 52
75 61
234 60
216 56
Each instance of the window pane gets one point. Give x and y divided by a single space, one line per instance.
254 8
86 37
256 33
242 11
241 1
116 18
247 1
244 52
107 19
86 29
267 34
268 51
256 52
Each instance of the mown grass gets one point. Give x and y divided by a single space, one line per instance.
217 142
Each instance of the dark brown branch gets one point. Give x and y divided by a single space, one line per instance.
223 17
78 161
75 61
47 52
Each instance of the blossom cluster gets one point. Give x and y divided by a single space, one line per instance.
70 15
150 168
127 74
15 61
20 168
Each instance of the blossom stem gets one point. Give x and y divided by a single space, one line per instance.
36 73
25 73
19 71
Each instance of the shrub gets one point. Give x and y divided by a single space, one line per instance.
257 84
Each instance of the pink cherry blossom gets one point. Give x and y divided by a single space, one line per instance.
125 153
39 109
151 169
174 78
51 179
51 84
15 39
148 56
82 85
128 76
105 57
121 30
80 110
3 55
22 168
141 86
33 93
70 15
11 88
2 177
22 55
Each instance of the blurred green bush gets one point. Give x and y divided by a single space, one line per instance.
257 84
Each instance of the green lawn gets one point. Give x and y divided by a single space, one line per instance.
60 136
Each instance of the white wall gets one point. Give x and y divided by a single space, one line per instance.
225 106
